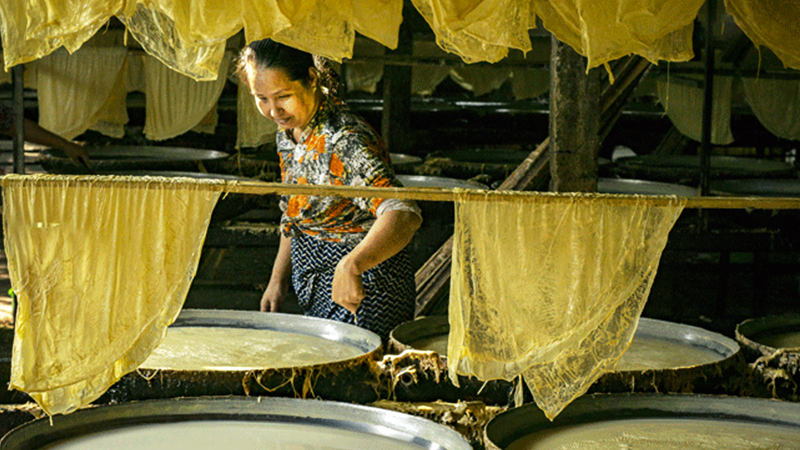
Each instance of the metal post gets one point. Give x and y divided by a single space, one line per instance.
17 78
708 100
396 115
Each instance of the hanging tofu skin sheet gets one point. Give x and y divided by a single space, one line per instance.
100 267
551 287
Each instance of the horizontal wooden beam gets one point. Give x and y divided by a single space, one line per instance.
449 195
416 60
429 194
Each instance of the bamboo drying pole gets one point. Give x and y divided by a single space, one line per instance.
436 194
449 195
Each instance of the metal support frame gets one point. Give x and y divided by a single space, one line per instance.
17 78
708 100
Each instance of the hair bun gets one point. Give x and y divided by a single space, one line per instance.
329 78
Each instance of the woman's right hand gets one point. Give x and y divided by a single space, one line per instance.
273 297
77 153
281 278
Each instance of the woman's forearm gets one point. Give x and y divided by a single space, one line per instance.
282 267
390 233
38 135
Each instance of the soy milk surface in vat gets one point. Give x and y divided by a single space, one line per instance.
199 348
651 348
663 357
662 434
771 346
233 422
245 340
648 353
787 339
651 422
219 352
437 344
644 353
217 435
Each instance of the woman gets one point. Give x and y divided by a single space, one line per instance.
345 257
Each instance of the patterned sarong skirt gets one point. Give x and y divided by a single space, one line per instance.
389 286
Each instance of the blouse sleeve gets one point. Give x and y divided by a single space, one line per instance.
357 161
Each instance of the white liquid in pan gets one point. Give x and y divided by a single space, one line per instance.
646 354
780 340
221 348
663 434
437 344
643 354
222 435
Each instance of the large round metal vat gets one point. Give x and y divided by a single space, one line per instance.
492 164
663 357
486 155
765 335
772 346
419 372
648 421
672 357
426 181
757 187
673 168
643 187
14 415
233 423
270 354
402 162
115 158
425 333
438 217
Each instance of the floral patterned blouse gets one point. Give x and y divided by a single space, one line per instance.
337 148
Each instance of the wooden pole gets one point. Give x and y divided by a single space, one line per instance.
18 107
449 195
532 173
439 194
574 121
396 117
415 60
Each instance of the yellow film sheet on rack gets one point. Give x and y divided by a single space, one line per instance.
550 287
100 267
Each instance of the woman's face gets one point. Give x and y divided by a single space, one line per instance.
291 104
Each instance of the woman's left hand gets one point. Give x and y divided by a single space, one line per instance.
347 291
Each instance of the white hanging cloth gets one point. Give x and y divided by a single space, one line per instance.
776 104
682 100
84 90
176 103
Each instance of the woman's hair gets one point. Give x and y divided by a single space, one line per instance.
268 54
